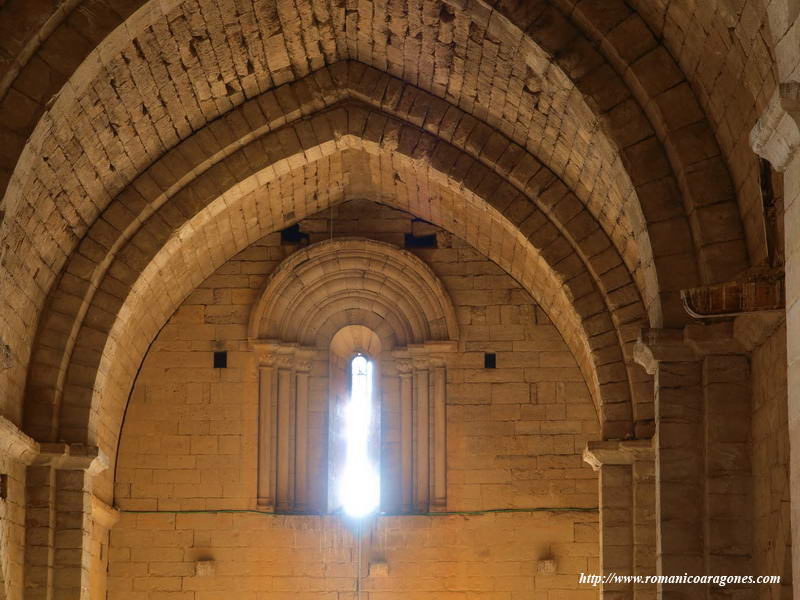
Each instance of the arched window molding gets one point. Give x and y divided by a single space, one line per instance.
387 304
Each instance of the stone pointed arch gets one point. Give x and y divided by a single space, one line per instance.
268 156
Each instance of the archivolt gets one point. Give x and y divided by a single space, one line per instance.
317 282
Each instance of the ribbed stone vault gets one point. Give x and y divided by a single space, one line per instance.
95 314
174 68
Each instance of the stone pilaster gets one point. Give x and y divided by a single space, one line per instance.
776 137
303 362
423 427
17 451
627 506
405 372
283 426
702 413
60 521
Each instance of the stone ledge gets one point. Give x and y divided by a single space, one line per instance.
71 457
625 452
698 340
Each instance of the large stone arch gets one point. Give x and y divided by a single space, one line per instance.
505 158
142 241
148 307
600 327
149 294
660 191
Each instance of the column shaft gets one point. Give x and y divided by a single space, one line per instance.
285 467
422 458
439 437
40 521
301 443
406 442
729 519
680 474
644 526
267 393
616 528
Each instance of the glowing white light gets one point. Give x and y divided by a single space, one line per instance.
359 489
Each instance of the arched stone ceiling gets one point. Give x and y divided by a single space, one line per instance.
184 68
250 121
89 301
134 99
49 207
723 49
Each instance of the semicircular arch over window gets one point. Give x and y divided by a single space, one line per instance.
323 306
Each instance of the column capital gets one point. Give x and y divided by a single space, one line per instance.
429 354
691 343
72 457
617 452
661 345
403 363
284 355
776 134
304 359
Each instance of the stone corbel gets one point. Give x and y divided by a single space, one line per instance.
776 135
103 514
661 345
624 452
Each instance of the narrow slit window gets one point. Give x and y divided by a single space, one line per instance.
359 485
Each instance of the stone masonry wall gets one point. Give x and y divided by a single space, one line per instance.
770 466
515 435
12 530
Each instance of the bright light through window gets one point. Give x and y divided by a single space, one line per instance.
359 490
